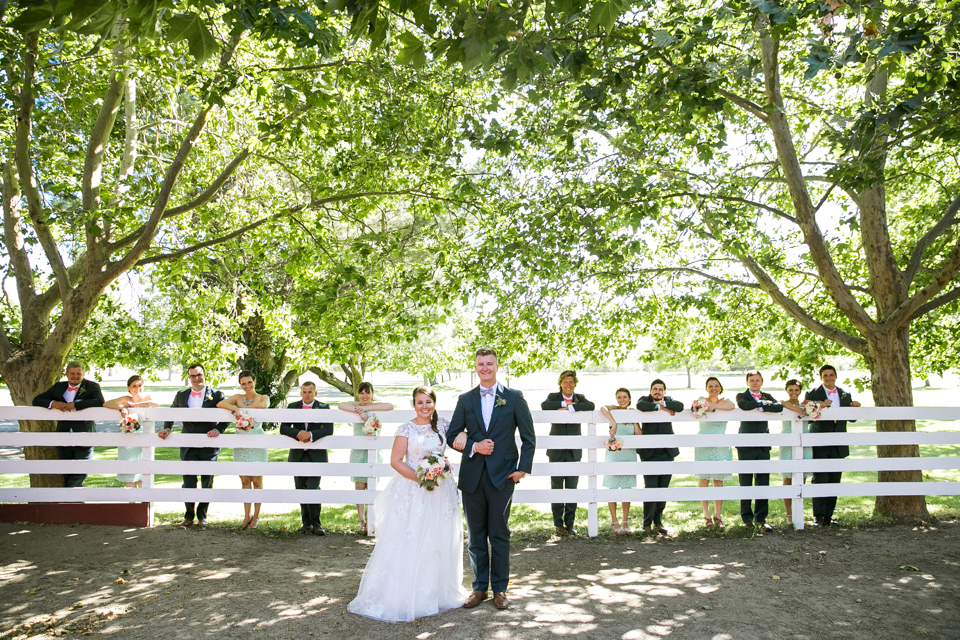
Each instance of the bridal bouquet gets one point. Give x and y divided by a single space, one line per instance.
432 470
614 443
372 426
812 410
130 422
700 407
246 422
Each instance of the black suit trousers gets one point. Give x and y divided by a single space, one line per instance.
74 453
653 511
487 510
824 506
564 512
309 513
190 482
747 513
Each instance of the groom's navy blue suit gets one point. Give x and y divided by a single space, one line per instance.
487 492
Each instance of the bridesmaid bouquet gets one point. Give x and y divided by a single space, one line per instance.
372 426
246 422
130 422
700 407
614 443
812 410
432 470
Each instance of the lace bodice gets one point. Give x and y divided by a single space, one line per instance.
421 440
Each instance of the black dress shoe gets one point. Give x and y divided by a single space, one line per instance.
818 521
304 529
318 531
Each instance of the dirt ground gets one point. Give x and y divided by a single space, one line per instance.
872 583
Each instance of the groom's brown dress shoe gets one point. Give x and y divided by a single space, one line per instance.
475 598
500 600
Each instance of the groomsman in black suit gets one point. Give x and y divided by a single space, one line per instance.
567 401
76 394
657 401
308 432
197 396
755 400
828 394
492 416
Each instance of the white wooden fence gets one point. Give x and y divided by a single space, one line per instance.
590 466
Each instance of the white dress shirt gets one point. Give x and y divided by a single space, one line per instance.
833 395
195 402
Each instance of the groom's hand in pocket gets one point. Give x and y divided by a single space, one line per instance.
484 447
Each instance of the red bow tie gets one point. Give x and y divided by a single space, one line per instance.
756 395
196 394
69 388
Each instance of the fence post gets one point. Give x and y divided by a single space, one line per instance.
797 510
147 478
592 524
371 482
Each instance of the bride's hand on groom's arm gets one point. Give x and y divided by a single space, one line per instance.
461 441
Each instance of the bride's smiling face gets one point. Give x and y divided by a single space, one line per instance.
423 405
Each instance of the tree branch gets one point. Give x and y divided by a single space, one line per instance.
801 315
759 205
948 220
169 181
331 380
946 298
215 241
747 105
800 196
910 308
28 180
13 237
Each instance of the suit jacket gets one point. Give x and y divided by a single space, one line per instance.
317 430
662 454
88 395
830 426
552 403
211 397
746 402
512 416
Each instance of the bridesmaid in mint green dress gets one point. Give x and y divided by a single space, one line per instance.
238 403
793 390
626 454
364 408
132 401
714 454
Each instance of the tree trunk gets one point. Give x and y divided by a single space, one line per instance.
25 382
689 379
889 360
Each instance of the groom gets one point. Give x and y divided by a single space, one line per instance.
491 414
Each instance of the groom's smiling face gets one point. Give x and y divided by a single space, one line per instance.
487 368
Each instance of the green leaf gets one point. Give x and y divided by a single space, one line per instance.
32 19
604 14
662 38
412 52
190 27
83 10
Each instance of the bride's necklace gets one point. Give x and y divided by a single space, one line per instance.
247 402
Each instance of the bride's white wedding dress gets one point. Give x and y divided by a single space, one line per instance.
416 568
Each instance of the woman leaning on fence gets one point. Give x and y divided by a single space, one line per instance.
366 409
238 404
134 400
617 453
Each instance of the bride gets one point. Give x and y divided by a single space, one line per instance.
416 568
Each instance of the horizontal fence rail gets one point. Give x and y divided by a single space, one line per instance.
595 426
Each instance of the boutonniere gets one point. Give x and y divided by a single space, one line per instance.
499 402
209 397
844 396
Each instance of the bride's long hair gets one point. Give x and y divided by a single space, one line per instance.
433 418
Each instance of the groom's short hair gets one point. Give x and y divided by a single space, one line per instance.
486 351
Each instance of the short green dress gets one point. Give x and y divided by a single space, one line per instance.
132 453
786 453
359 456
713 454
250 455
624 455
